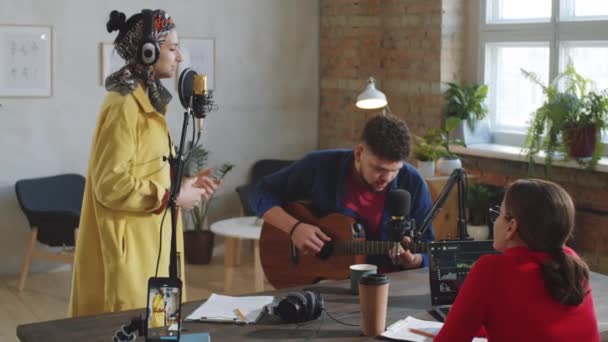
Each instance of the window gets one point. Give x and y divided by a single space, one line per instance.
518 11
541 36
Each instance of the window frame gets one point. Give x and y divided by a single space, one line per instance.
552 32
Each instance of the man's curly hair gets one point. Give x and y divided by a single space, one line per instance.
388 137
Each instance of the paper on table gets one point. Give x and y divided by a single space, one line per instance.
220 308
400 330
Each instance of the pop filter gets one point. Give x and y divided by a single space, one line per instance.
185 87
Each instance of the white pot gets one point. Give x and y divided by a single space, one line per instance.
478 232
426 168
446 166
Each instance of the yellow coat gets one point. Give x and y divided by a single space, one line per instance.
157 311
118 239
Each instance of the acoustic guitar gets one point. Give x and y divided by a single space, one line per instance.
348 246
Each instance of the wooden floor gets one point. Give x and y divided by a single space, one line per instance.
46 295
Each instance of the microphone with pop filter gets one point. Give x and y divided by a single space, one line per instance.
193 93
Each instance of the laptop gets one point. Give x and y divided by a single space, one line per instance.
449 265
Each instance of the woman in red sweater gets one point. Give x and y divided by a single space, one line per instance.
537 289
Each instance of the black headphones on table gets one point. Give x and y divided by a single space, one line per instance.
149 51
299 307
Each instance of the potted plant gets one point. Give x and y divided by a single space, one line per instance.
448 161
467 104
570 121
426 150
479 199
198 239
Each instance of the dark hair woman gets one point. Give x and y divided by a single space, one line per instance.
126 193
538 289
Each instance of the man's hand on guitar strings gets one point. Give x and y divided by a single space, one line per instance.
309 239
404 257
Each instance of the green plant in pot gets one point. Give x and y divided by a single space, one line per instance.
467 103
198 239
449 161
570 121
427 149
479 199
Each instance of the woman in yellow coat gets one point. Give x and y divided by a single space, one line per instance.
128 179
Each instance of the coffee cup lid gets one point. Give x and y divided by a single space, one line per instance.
374 279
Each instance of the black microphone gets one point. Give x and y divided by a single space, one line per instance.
398 203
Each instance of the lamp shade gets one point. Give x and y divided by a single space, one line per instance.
370 97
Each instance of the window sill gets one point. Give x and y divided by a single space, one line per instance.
515 154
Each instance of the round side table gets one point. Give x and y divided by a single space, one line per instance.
234 230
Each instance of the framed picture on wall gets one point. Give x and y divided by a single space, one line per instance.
198 54
25 61
110 61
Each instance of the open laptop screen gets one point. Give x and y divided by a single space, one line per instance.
449 264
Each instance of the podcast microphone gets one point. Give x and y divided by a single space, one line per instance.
193 93
398 203
194 96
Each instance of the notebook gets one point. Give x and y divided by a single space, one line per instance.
449 265
400 330
219 308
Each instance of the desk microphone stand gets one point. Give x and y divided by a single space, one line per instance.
459 177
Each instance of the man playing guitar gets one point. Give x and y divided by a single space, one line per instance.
353 182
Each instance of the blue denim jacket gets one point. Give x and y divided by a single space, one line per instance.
320 178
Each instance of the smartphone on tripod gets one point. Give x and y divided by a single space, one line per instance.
163 312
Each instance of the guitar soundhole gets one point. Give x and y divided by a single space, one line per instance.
326 251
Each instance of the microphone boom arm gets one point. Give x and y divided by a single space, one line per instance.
459 177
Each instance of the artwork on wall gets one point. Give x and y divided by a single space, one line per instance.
199 54
110 61
25 61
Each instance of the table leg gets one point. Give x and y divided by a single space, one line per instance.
229 262
258 273
238 253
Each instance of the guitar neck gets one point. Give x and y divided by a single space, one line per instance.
361 247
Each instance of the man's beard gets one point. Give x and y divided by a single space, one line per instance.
370 186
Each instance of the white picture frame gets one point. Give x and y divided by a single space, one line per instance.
199 54
26 61
110 61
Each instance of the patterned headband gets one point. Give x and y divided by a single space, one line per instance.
127 43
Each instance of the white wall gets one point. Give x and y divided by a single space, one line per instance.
266 81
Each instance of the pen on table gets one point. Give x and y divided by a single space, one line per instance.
240 315
423 333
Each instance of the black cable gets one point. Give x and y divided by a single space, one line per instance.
332 317
317 331
160 240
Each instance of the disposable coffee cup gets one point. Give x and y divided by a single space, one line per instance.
357 271
373 299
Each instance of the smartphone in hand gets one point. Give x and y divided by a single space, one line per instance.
163 313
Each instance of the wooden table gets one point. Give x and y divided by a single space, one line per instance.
408 295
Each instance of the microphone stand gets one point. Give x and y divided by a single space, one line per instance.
459 177
197 104
177 164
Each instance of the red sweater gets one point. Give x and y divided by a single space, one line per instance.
506 295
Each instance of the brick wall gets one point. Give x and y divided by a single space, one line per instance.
411 47
404 44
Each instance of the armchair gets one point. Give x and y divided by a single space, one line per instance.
52 207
